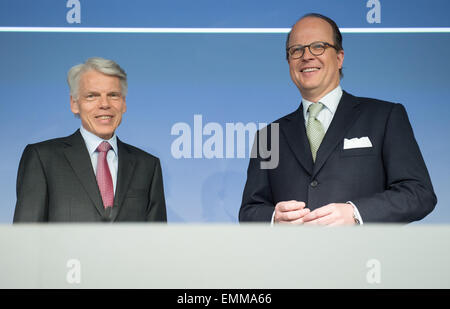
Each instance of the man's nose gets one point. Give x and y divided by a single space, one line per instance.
104 101
307 55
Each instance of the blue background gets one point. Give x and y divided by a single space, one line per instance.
224 77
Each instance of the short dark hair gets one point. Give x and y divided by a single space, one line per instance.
337 36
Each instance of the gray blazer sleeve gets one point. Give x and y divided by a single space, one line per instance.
32 195
157 204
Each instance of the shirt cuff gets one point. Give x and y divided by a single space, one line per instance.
355 209
273 217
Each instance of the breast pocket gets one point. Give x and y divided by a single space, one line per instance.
356 152
136 193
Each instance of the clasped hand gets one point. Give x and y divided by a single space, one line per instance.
295 212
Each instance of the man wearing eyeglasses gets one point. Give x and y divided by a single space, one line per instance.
344 160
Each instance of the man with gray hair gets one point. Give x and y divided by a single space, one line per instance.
91 176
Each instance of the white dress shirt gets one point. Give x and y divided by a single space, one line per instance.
330 103
92 141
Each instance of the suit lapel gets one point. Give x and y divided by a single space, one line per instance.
295 133
346 114
124 175
78 157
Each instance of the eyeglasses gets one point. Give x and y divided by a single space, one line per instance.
315 48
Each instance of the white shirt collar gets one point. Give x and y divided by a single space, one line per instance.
92 141
330 101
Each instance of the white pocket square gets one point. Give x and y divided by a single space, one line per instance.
362 142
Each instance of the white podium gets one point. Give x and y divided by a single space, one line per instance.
251 256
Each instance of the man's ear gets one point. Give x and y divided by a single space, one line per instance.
340 58
124 109
74 107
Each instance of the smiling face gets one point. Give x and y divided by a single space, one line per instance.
100 103
315 76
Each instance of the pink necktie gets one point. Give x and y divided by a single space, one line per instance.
104 178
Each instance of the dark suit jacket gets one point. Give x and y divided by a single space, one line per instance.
56 183
388 182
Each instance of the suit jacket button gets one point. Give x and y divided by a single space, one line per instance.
314 183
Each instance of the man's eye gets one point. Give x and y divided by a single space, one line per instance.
114 95
318 46
297 50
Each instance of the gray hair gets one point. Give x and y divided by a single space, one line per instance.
98 64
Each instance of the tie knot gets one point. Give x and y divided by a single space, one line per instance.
314 109
104 147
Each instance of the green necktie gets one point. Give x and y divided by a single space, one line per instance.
314 128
